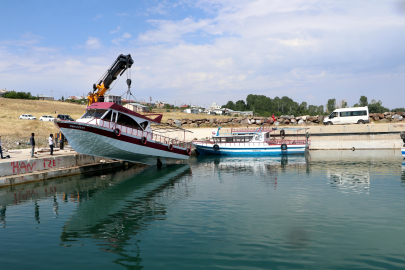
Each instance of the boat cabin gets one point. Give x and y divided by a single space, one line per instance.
243 137
114 113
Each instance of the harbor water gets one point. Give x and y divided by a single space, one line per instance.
324 210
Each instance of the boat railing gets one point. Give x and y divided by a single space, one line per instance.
157 138
271 142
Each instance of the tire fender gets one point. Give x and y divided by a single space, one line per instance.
283 146
143 140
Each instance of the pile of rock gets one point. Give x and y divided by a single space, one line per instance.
387 116
238 121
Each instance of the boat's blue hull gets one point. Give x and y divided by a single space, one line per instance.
254 151
403 152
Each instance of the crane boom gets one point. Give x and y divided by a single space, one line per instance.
122 63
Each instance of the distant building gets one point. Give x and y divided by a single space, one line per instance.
2 92
214 106
136 107
76 97
113 98
123 100
191 110
161 104
44 97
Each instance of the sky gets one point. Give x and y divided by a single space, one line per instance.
204 51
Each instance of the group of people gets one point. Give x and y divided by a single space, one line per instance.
32 143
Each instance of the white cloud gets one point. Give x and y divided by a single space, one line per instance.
99 16
116 30
126 35
93 43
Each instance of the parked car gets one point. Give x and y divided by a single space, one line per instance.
27 117
46 118
65 117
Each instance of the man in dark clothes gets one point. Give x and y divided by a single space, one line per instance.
1 151
32 142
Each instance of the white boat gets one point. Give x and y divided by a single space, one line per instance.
109 130
403 146
261 141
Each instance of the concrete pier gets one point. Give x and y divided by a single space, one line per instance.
21 168
337 137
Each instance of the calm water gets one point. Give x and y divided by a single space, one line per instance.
328 210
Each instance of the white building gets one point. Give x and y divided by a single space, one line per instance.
193 110
136 107
44 97
113 98
214 106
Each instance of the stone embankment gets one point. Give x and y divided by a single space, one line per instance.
282 120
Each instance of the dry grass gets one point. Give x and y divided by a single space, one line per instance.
20 130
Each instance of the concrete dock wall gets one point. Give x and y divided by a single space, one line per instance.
24 166
369 136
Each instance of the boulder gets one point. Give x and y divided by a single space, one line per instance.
376 117
381 115
184 121
293 121
193 125
384 120
301 122
281 120
304 117
298 118
170 122
258 122
244 122
397 117
252 121
313 119
276 123
286 122
320 118
270 121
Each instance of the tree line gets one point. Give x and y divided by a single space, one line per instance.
18 95
266 106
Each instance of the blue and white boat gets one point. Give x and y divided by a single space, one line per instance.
260 141
403 146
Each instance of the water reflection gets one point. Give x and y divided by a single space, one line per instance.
119 215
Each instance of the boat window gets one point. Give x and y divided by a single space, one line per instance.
229 139
89 114
94 114
107 117
267 135
99 113
248 139
144 124
125 120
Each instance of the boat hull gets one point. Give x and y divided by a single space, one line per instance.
255 150
403 152
102 142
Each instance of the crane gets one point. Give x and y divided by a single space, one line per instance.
122 63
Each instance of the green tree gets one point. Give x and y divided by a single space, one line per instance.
63 98
363 101
240 105
229 105
331 105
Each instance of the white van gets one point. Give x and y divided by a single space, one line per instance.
356 115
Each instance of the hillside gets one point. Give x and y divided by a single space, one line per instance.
14 130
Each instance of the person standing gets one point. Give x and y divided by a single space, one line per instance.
51 143
1 151
32 142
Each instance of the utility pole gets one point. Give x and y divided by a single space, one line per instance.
51 93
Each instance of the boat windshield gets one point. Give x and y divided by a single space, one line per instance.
93 114
126 120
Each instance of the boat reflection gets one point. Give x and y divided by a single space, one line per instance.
117 216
